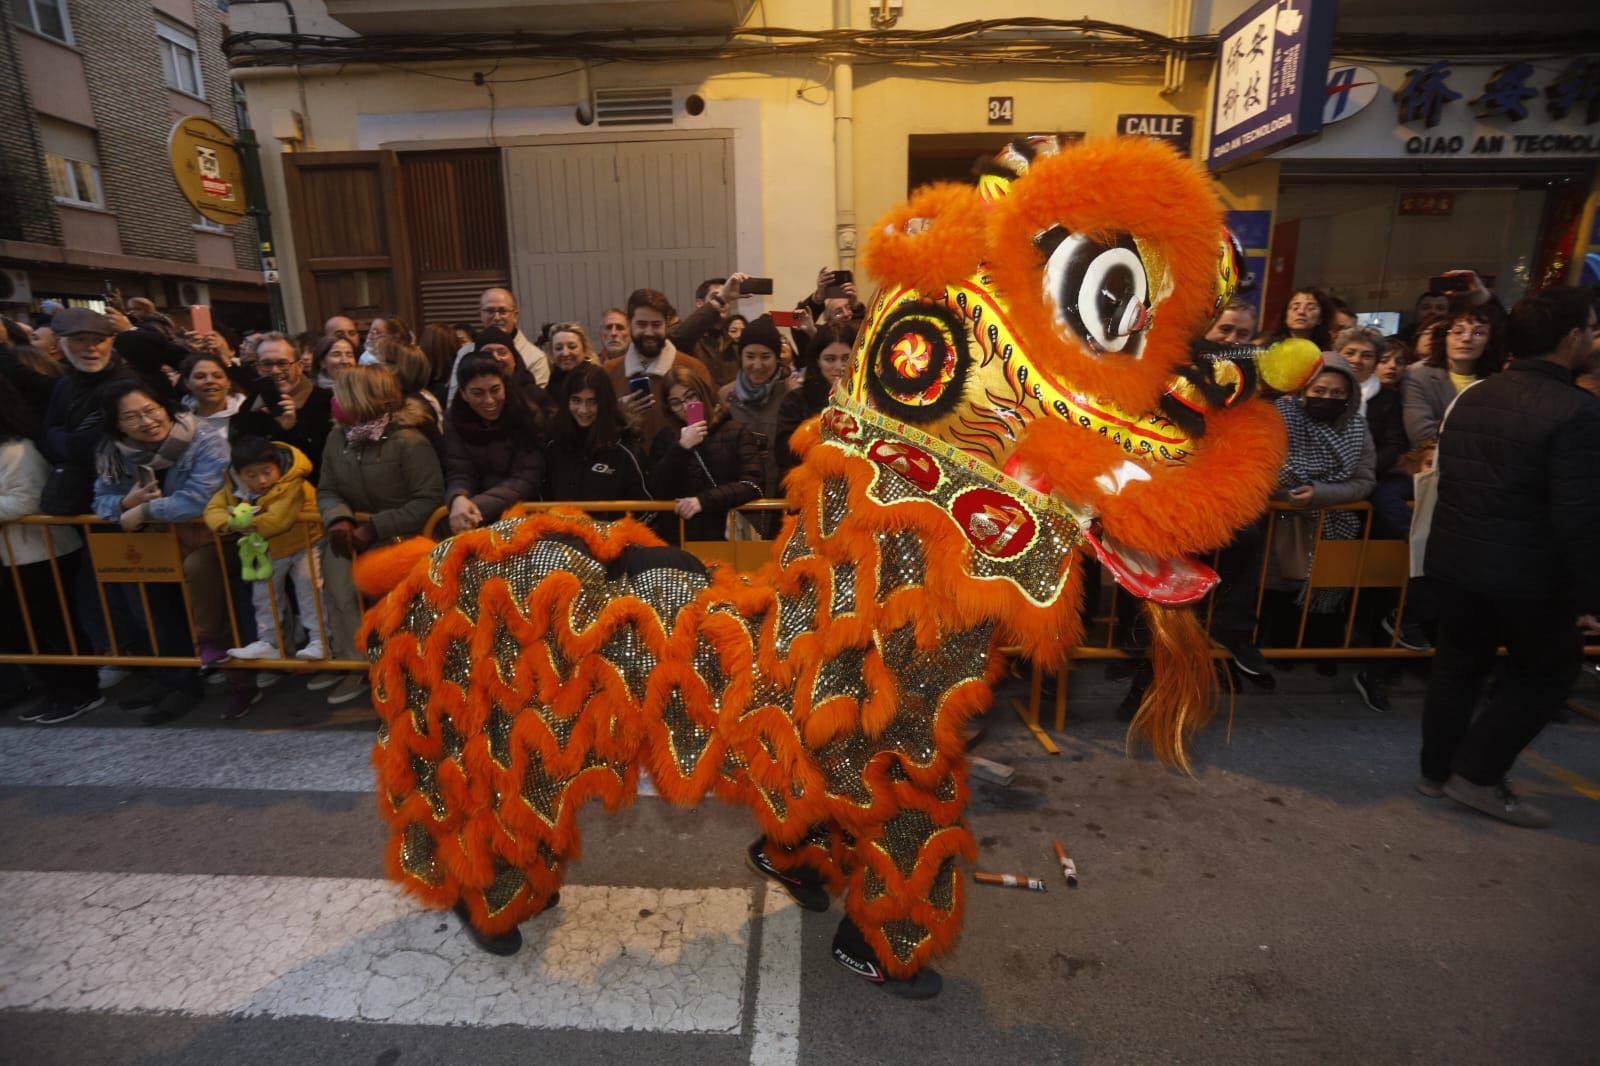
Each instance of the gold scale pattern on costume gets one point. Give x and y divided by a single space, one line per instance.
536 664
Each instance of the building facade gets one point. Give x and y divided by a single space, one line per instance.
406 174
88 203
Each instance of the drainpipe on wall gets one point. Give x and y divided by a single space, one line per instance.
844 158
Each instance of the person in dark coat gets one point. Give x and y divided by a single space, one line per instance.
824 362
302 415
501 346
592 455
153 357
73 423
492 457
1512 554
756 394
709 464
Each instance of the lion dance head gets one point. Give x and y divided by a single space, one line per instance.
1035 331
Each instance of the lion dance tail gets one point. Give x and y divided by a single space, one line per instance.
1184 694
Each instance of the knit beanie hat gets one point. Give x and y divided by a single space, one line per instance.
491 335
761 331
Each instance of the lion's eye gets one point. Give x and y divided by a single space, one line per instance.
1100 290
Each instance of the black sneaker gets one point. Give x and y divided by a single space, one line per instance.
507 943
1372 693
66 708
171 707
1412 637
147 696
851 950
1246 656
804 885
35 711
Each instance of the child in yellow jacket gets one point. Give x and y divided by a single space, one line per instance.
272 477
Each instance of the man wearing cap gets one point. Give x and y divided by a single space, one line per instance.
72 422
497 309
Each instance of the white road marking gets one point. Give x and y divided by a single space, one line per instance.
777 1013
608 958
322 761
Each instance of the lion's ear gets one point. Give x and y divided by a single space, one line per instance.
933 240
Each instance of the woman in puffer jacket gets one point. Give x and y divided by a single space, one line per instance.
492 452
377 463
702 458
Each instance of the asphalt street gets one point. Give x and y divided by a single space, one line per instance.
213 892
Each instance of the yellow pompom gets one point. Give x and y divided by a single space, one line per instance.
1289 364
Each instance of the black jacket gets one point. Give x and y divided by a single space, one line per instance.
492 464
1518 514
723 472
796 408
614 473
312 421
1386 422
72 427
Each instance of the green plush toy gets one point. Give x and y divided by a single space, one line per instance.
254 561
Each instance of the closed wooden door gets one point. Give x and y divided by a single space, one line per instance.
592 222
350 236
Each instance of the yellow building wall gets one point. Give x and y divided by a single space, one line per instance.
789 202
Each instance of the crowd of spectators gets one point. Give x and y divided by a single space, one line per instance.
326 445
297 454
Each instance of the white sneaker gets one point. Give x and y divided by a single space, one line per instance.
260 649
112 676
268 678
311 652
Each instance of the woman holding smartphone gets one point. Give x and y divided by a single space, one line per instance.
706 461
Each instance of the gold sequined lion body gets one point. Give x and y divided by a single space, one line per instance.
980 447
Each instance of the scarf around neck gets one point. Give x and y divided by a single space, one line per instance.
366 432
118 458
753 395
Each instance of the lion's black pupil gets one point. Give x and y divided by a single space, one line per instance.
1117 290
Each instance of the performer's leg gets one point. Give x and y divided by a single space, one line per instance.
806 871
905 899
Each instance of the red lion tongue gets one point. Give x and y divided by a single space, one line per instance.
1171 580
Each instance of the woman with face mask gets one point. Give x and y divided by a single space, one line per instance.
492 455
1330 462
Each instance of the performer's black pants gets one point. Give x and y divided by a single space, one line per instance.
1544 650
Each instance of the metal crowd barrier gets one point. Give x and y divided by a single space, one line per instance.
155 557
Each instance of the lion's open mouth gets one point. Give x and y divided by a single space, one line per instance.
1172 580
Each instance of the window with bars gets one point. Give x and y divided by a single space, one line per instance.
180 58
73 160
47 17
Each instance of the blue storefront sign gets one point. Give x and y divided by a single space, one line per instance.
1270 85
1176 130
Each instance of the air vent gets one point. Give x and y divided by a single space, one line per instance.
633 107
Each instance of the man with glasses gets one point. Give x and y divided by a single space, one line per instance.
292 409
497 309
1511 553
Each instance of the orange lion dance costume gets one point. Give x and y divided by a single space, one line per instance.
1022 394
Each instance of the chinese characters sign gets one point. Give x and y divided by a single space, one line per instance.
1271 64
1513 108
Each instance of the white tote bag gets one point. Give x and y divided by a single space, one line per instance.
1426 496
